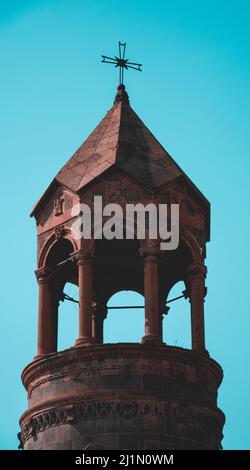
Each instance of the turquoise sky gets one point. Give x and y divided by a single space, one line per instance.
194 96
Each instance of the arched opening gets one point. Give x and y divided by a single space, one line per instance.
60 251
177 323
68 318
124 325
62 276
118 280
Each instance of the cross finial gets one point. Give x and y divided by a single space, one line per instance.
121 62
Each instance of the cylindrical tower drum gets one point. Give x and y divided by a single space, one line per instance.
122 396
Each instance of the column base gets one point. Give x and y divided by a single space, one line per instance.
201 351
83 341
43 355
39 356
149 339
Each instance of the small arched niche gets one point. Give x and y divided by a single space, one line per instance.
125 325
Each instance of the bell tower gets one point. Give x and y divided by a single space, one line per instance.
146 395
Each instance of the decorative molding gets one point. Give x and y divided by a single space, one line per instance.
70 414
41 273
59 232
62 230
58 206
149 247
73 372
178 416
99 353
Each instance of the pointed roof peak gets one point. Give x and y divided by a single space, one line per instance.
121 95
120 140
123 141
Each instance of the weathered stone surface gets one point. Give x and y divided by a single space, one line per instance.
137 412
120 396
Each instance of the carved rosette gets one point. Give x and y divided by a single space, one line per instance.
59 232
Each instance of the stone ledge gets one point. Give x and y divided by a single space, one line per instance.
119 351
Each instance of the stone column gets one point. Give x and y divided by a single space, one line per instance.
196 292
85 276
54 313
47 320
99 314
163 310
151 295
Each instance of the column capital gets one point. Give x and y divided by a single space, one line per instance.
150 250
195 279
195 270
42 274
150 258
83 256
